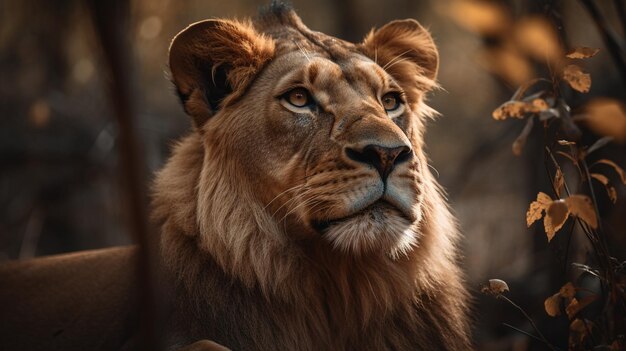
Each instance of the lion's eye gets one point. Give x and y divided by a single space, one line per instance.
391 101
298 97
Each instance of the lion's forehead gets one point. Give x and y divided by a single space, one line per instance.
354 79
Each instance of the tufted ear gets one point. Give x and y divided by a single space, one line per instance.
212 62
406 50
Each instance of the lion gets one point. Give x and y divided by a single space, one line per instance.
299 213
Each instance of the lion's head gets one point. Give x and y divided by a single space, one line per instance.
305 148
326 135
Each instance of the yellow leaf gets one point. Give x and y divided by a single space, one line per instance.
538 37
567 291
556 215
535 211
539 105
507 63
576 78
478 16
605 181
576 306
582 52
617 168
552 305
559 182
519 109
544 198
606 117
582 207
515 109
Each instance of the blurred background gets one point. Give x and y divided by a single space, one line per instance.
61 180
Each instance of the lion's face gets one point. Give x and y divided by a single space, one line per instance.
331 153
328 138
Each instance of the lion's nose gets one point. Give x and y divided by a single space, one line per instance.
384 159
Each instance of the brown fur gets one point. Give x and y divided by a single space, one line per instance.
79 301
238 198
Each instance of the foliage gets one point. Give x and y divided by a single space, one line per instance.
534 40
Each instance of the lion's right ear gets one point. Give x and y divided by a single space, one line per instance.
213 61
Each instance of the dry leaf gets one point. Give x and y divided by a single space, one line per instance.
552 305
540 105
617 168
577 326
515 109
572 308
495 287
535 211
544 198
582 52
538 37
556 215
609 188
567 291
507 63
559 182
566 142
478 16
578 332
606 117
576 306
576 78
518 109
582 207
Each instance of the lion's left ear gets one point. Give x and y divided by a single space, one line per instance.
406 50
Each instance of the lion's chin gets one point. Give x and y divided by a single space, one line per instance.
378 228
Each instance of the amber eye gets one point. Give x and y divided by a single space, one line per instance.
391 101
298 97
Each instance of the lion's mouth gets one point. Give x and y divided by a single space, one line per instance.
377 212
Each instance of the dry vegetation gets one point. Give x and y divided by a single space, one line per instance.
593 299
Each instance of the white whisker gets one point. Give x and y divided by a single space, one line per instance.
395 58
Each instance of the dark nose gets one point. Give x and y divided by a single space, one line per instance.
384 159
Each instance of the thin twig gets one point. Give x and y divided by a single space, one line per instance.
543 338
522 331
569 241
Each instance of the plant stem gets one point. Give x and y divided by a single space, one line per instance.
543 338
522 331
